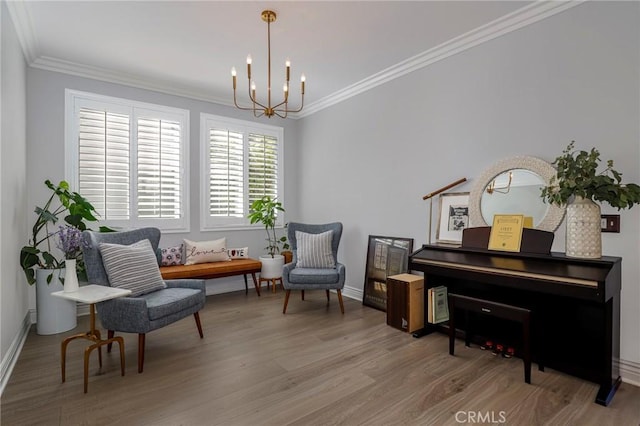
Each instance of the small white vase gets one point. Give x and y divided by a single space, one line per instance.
271 266
583 239
54 314
70 276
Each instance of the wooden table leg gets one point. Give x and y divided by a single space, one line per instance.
255 283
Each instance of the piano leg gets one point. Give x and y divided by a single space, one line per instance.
606 392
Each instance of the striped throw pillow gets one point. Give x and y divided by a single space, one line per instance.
314 250
134 267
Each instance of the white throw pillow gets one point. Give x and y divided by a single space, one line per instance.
134 267
238 253
314 250
205 251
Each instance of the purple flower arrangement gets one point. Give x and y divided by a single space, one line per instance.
70 241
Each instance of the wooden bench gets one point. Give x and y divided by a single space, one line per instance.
215 270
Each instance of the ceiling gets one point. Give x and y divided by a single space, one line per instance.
188 48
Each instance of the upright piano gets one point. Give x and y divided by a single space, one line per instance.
575 303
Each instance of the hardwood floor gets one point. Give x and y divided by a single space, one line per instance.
312 366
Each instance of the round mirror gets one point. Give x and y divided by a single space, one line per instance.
513 186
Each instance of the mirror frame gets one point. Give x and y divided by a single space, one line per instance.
555 214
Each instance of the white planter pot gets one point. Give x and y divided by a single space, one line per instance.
271 266
583 239
54 315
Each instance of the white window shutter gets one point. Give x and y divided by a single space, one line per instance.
226 173
104 163
158 184
263 167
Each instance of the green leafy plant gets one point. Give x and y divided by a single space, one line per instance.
577 176
265 210
74 210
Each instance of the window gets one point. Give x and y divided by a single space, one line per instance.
128 159
241 162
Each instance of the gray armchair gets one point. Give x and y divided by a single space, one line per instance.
147 312
298 276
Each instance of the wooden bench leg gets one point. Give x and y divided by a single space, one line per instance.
255 283
246 285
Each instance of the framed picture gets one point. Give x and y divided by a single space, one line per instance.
385 256
454 217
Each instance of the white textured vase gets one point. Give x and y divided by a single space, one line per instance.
271 266
583 239
70 276
54 314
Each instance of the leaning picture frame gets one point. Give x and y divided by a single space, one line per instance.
454 217
386 256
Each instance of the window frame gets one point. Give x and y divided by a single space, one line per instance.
208 121
74 100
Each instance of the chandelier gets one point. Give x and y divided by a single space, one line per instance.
259 109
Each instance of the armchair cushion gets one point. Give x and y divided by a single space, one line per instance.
314 276
170 300
134 267
205 251
314 250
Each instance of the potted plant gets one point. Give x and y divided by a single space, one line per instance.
578 184
265 210
42 267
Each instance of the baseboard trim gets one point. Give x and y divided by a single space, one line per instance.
629 371
352 292
11 358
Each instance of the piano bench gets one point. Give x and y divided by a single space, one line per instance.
498 310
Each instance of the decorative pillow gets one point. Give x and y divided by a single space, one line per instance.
134 267
205 251
171 256
314 250
238 253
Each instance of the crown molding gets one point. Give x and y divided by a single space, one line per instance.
520 18
24 29
125 79
511 22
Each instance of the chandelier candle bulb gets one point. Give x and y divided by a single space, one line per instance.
233 74
288 65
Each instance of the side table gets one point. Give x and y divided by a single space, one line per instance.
91 294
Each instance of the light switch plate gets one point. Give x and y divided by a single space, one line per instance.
610 223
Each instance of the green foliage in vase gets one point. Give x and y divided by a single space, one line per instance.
577 176
63 204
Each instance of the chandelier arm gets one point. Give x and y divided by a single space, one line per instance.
299 109
255 102
241 107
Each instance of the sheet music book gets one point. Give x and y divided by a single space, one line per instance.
437 304
440 305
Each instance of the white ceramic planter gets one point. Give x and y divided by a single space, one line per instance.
54 315
271 266
583 239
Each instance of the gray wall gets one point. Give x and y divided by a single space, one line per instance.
13 228
530 92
